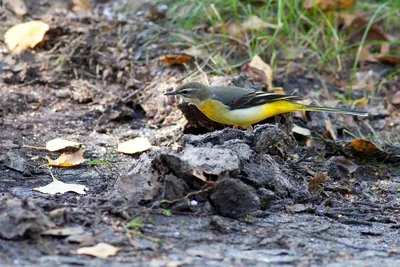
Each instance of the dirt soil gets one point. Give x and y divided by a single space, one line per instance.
204 194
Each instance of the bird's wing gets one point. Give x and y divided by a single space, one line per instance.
238 98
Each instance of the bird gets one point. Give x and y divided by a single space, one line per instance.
243 107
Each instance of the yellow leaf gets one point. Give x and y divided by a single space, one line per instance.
58 144
58 187
25 35
137 145
67 160
101 250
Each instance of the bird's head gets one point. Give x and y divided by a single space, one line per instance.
192 92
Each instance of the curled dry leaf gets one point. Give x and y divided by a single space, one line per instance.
259 71
171 59
58 187
326 5
58 144
317 180
364 146
101 250
25 35
254 23
300 130
396 98
137 145
347 164
199 174
67 160
330 131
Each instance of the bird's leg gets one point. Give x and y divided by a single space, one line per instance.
249 128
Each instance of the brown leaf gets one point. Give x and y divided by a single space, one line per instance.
171 59
396 98
327 5
375 33
259 71
67 160
364 146
393 60
317 180
346 164
330 130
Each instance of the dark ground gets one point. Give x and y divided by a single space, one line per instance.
255 196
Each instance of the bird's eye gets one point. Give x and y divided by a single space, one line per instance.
184 92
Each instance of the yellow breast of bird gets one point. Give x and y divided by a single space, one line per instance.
219 112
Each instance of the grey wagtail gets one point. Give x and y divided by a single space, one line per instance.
243 107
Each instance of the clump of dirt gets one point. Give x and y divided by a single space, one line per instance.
228 157
21 218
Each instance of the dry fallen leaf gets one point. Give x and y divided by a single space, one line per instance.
317 180
364 146
18 7
67 160
137 145
259 71
82 5
176 59
25 35
300 130
238 30
326 5
396 98
255 23
346 164
58 144
66 231
331 132
58 187
101 250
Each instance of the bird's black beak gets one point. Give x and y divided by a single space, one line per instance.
170 93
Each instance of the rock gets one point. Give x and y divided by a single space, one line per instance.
265 196
174 188
266 173
270 139
233 198
212 160
19 219
216 137
140 183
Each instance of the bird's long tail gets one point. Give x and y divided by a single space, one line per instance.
336 110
